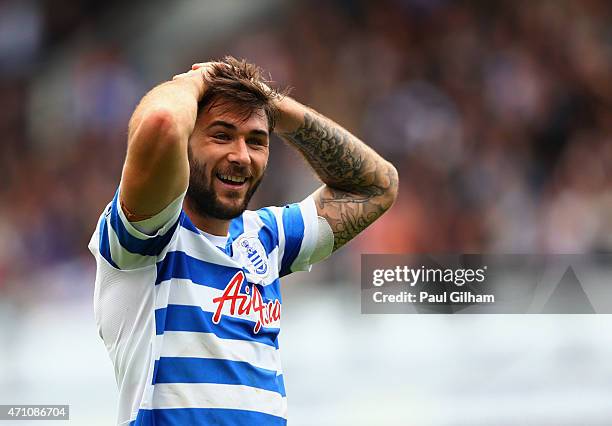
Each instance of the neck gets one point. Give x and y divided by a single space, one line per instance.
205 223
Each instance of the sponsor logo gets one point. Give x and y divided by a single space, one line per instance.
247 302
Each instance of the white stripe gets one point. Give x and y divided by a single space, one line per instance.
200 247
252 222
272 264
213 395
208 345
184 292
123 258
136 233
162 293
278 214
311 225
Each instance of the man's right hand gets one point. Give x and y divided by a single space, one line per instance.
199 74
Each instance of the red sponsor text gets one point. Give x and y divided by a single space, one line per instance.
245 303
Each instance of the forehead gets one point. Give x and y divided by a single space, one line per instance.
245 120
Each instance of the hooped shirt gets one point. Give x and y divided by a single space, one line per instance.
192 328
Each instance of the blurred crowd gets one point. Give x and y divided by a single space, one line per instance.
497 115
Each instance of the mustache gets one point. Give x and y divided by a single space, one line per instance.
235 170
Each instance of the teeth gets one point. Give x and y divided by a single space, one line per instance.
236 179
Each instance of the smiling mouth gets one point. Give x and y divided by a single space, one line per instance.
232 180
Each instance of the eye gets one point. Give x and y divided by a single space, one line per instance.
256 142
221 136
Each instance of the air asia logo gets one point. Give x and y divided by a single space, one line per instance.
244 303
255 253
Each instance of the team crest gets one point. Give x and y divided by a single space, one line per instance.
252 249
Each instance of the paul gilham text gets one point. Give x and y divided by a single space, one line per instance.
456 297
424 297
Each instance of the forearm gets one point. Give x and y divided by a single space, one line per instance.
341 160
156 169
359 184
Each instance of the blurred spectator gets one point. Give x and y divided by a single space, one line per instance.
497 116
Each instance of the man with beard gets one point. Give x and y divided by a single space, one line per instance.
187 296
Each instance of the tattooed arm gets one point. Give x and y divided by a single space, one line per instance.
359 184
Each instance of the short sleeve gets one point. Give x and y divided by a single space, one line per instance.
123 246
298 236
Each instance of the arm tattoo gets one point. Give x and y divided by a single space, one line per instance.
358 180
348 215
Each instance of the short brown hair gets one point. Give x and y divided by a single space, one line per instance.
242 85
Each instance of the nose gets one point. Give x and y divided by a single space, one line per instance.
239 153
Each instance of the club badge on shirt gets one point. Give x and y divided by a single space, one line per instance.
254 256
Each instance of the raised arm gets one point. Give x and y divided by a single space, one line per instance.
360 185
156 169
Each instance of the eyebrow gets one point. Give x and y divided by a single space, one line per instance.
230 126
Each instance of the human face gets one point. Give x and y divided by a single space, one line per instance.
228 155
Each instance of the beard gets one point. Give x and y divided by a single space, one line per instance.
203 199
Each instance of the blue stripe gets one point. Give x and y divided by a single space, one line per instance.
205 417
236 227
155 368
220 371
160 320
105 244
270 292
187 224
193 318
268 234
150 247
293 224
178 264
281 385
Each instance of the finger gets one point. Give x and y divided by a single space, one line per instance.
190 73
199 65
207 64
179 76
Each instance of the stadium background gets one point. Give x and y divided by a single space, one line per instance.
496 114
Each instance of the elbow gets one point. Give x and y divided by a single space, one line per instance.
158 126
392 186
162 124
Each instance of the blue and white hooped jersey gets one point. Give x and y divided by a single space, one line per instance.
191 328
